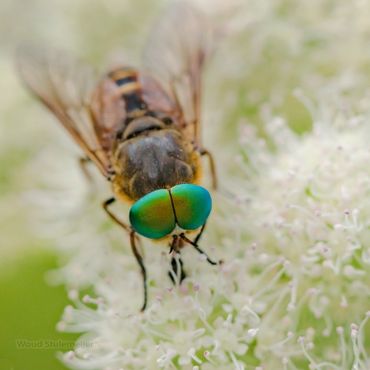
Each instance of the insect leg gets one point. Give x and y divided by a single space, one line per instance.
140 261
133 239
106 205
176 263
183 237
134 248
212 167
196 240
84 161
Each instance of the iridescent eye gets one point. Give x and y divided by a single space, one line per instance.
152 215
192 204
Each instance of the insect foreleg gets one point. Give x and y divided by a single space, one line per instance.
106 205
140 261
197 238
212 167
183 237
134 248
175 275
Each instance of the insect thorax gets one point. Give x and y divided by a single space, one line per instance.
152 157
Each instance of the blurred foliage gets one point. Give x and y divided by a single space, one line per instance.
29 313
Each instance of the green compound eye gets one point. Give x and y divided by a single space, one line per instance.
152 216
192 204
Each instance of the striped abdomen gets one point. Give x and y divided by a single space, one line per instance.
130 88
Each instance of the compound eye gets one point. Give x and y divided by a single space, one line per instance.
192 205
152 215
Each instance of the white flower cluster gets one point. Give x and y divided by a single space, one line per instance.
309 208
292 293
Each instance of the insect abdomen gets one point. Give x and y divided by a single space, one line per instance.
130 88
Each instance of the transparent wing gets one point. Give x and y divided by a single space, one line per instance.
89 111
174 56
159 100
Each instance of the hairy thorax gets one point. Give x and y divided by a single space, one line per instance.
154 159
